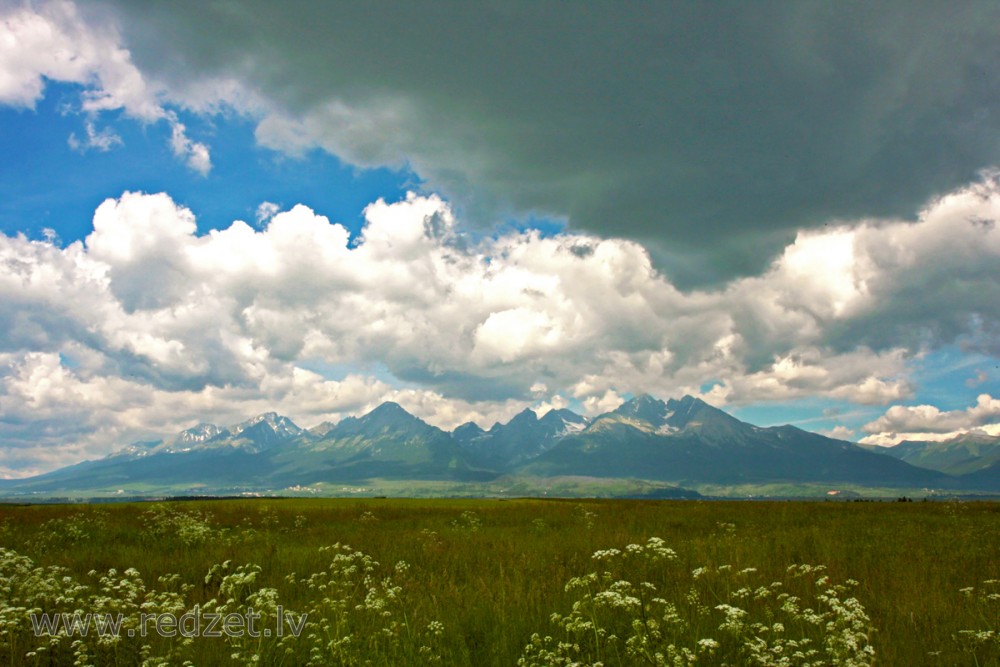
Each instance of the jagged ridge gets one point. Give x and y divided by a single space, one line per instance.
679 441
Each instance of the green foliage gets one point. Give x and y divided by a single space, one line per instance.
165 523
359 614
982 642
712 615
467 521
476 582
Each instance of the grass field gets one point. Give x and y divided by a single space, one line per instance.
469 582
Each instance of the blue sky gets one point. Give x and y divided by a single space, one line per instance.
799 226
243 174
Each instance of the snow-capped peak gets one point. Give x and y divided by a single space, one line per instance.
199 433
282 426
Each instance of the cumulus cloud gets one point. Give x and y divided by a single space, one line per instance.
595 405
839 432
556 403
927 422
55 415
683 154
53 41
229 321
645 123
861 377
692 129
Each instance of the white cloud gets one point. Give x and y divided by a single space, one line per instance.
265 211
229 320
194 154
131 229
596 405
556 402
927 422
226 321
860 376
824 270
839 432
555 117
51 236
36 45
101 140
516 333
538 389
52 41
55 415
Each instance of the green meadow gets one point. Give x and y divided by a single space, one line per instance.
507 582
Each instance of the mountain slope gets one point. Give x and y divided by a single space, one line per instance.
985 479
961 455
205 457
688 440
524 437
386 442
682 441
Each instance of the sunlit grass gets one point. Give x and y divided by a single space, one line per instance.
471 582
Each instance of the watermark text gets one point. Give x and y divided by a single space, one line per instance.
193 623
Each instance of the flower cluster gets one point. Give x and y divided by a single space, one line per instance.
76 610
360 615
468 521
191 527
357 613
982 642
638 607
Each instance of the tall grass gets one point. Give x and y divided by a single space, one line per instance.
484 582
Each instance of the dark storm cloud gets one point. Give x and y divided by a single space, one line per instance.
709 131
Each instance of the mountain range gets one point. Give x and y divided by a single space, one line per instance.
973 457
679 443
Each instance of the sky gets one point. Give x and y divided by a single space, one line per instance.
210 210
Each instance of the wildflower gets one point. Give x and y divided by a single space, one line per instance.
707 645
613 610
